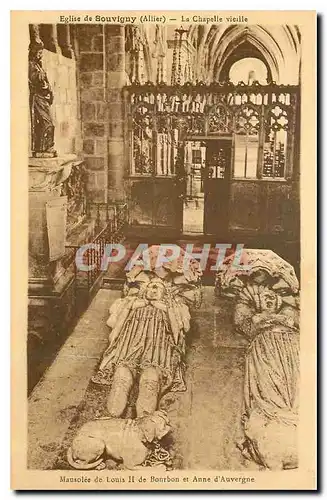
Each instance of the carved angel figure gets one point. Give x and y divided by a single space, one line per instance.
147 339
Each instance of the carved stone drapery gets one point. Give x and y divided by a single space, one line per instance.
148 328
64 177
231 281
267 313
74 187
40 101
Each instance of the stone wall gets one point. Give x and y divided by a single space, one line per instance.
93 108
61 72
101 66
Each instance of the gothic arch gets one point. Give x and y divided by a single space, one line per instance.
278 45
245 50
257 37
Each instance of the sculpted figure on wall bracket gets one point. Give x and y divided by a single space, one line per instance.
41 99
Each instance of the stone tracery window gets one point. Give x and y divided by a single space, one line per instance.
274 155
164 153
268 134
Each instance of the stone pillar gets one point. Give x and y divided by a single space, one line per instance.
48 33
102 77
64 39
40 280
34 34
115 81
93 108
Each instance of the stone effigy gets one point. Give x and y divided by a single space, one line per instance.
267 312
148 328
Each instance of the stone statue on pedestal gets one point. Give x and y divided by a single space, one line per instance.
41 98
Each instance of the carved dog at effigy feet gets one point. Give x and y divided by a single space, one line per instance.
123 440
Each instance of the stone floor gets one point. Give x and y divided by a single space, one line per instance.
205 419
193 213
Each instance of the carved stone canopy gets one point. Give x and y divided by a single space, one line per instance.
181 266
265 263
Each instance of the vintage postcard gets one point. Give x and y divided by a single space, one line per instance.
163 250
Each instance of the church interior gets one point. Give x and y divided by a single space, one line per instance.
188 136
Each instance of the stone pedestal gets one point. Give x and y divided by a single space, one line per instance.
45 177
50 286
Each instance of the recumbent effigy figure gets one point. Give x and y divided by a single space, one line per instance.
148 327
267 313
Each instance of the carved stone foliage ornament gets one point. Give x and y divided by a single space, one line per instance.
255 262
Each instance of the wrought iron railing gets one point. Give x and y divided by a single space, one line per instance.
110 224
112 232
74 187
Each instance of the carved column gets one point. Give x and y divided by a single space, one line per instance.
64 39
35 34
115 81
49 36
